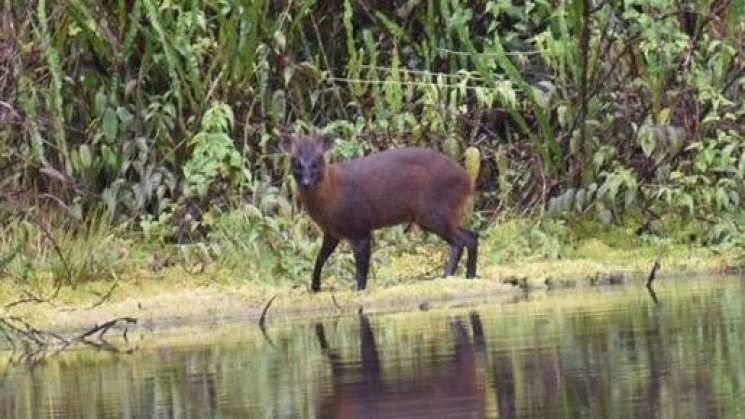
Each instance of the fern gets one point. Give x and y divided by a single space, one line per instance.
354 63
214 155
173 64
55 100
134 28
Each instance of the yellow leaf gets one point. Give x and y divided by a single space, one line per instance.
663 118
473 163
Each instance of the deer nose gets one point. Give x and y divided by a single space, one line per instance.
305 182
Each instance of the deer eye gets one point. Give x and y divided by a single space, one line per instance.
295 164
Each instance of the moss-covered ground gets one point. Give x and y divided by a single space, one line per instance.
516 257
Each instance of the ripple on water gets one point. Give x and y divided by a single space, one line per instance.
572 353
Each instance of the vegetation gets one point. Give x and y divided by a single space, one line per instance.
520 255
138 134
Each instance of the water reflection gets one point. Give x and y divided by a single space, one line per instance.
449 387
581 354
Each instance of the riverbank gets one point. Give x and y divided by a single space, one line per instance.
175 296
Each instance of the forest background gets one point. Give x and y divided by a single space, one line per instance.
138 136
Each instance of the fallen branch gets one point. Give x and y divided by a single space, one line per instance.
653 273
104 328
35 342
262 319
650 281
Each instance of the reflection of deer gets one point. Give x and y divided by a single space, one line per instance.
503 377
359 390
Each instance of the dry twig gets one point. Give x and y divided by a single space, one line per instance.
650 280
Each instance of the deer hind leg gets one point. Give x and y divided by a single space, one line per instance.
471 242
441 225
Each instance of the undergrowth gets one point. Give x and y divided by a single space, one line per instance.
246 246
142 134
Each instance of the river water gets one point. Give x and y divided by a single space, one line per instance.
582 353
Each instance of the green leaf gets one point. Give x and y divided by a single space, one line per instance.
125 116
110 124
663 117
280 41
687 201
647 140
99 103
722 198
86 159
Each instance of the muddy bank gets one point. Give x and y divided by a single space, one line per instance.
178 300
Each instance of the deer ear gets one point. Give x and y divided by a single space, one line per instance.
287 143
326 142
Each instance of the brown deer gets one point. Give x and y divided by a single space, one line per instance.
400 186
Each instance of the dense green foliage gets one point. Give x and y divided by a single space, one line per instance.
164 113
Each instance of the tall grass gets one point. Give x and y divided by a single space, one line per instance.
36 254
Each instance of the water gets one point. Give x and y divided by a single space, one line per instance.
578 354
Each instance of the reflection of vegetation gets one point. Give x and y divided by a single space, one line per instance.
31 345
593 353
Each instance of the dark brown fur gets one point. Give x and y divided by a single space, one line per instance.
402 186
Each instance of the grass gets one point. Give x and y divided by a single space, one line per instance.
115 275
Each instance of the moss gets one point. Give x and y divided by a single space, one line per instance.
516 255
592 249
